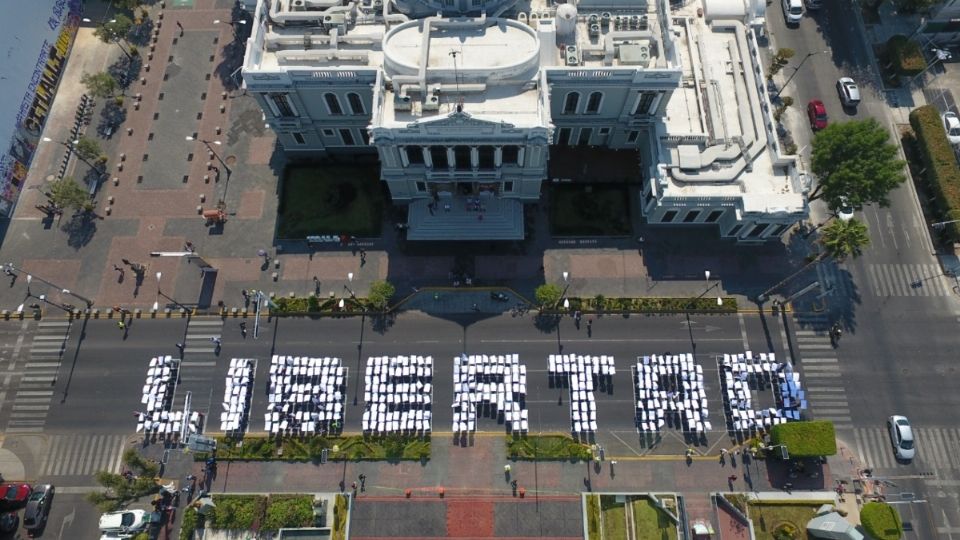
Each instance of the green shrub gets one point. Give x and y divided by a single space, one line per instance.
340 513
905 55
547 448
188 523
288 511
355 447
548 294
236 512
806 439
940 164
881 521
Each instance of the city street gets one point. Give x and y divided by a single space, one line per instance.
898 308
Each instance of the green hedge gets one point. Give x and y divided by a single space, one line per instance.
188 523
940 164
547 448
312 304
905 55
806 439
341 511
881 521
653 305
288 511
357 447
258 512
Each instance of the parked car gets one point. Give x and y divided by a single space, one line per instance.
951 124
849 92
793 11
14 496
38 508
817 113
9 522
901 435
127 521
813 4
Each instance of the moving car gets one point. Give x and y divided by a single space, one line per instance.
901 435
817 113
14 496
127 521
9 522
849 92
793 11
38 508
951 124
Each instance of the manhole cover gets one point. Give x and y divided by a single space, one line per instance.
231 160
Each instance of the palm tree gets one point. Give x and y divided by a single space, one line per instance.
843 238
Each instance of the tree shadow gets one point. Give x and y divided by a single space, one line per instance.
80 229
111 116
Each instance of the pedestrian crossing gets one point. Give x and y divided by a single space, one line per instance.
937 448
834 280
821 371
909 280
201 334
82 455
31 402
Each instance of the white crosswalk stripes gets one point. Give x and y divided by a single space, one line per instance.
936 448
200 335
821 372
76 455
908 280
31 402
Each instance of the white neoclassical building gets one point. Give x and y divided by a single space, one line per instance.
464 102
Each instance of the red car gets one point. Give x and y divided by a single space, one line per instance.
14 496
817 113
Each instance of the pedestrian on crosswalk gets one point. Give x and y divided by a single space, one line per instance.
121 325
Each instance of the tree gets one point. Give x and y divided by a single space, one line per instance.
841 238
548 294
129 5
88 149
380 294
115 29
101 85
68 193
855 163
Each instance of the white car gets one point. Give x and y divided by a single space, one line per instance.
793 11
125 522
849 92
951 124
901 435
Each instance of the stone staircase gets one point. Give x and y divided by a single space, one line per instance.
502 219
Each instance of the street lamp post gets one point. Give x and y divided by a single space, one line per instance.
235 24
345 286
219 159
156 305
116 40
31 277
796 69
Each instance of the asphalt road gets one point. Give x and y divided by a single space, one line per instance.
899 311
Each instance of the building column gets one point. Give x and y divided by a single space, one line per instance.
474 157
497 156
427 158
404 161
521 151
451 157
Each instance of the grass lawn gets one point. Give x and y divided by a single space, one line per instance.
593 517
590 210
614 518
547 448
330 199
354 448
767 518
650 522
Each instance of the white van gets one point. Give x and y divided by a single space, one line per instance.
793 11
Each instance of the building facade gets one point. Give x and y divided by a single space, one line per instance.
464 101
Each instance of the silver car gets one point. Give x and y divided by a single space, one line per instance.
901 435
951 125
849 92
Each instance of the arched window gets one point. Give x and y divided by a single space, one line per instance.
333 104
570 103
356 104
593 102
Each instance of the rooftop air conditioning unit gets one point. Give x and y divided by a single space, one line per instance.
432 103
617 22
334 19
594 30
572 55
635 22
402 102
593 19
644 53
298 5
